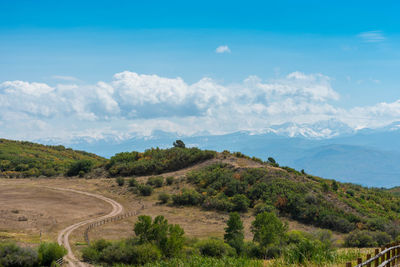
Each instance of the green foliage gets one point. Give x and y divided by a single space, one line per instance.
120 181
303 249
196 261
179 143
268 230
49 252
335 186
145 190
164 198
187 197
156 161
156 181
365 238
80 167
26 159
12 255
215 248
132 182
240 203
234 234
170 180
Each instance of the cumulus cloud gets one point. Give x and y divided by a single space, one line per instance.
372 36
222 49
137 104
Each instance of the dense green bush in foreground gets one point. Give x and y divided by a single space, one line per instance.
12 255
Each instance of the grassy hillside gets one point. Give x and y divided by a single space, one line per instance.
26 159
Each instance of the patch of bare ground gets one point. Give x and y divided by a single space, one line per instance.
30 213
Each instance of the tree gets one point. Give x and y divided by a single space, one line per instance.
49 252
268 229
169 238
143 228
234 234
335 186
240 203
79 167
179 143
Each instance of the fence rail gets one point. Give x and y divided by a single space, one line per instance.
389 255
102 222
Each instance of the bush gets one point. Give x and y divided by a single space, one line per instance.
145 190
307 250
187 197
268 230
240 203
120 181
79 167
164 198
170 180
217 203
362 239
132 182
145 253
12 255
215 248
49 252
156 181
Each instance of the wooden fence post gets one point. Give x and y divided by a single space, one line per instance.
359 260
388 256
377 260
348 264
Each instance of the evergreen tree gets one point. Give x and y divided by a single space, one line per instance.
234 234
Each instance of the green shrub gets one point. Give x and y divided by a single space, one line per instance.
145 190
164 198
234 234
12 255
217 203
79 167
187 197
268 230
365 238
132 182
240 203
120 181
170 180
215 248
156 181
49 252
145 253
307 250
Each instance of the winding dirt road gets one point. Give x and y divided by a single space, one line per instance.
63 236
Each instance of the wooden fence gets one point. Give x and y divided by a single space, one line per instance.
102 222
388 255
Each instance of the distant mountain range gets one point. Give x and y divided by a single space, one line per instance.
330 149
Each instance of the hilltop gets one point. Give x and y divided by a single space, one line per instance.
26 159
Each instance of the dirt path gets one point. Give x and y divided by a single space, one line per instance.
63 236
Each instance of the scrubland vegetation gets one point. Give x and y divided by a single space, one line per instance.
26 159
269 193
11 255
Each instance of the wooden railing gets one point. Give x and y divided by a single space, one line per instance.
388 255
102 222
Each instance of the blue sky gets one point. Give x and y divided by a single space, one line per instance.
348 50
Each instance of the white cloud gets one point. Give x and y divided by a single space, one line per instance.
222 49
65 78
134 104
372 36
